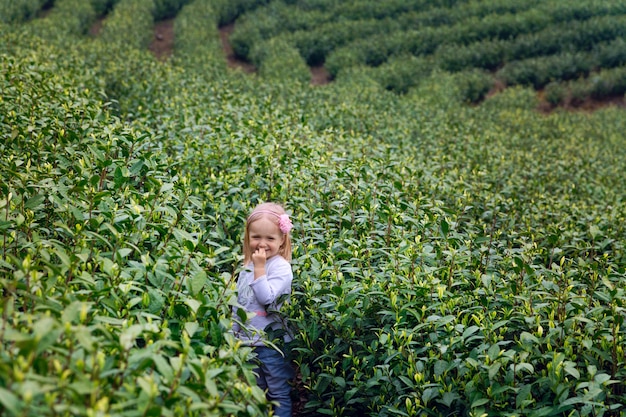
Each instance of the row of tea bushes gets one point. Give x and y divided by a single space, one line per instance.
571 36
130 23
102 7
165 9
603 84
66 17
425 41
315 44
279 18
540 71
196 38
405 72
17 11
229 10
277 60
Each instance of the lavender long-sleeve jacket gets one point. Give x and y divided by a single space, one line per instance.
261 297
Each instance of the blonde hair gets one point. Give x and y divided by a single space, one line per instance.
270 211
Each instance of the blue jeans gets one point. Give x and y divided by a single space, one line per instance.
274 372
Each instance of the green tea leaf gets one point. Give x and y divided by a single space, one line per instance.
35 202
197 281
10 402
191 328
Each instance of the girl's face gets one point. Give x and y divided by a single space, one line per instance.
265 234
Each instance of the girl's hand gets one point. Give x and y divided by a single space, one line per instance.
258 259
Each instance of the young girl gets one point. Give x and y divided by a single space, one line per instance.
267 276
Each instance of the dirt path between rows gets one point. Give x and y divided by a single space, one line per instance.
162 45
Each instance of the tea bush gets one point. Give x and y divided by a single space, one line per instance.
278 60
102 7
490 54
449 259
17 11
539 71
197 40
603 84
314 45
164 9
229 10
72 17
266 22
474 85
129 23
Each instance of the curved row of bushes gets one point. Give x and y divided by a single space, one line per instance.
65 18
267 22
17 11
278 60
402 74
405 72
603 84
196 37
102 7
491 54
130 23
278 18
539 71
375 51
229 10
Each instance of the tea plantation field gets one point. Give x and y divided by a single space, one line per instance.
455 252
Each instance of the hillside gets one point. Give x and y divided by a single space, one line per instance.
457 249
573 53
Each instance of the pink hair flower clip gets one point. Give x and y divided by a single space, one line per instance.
284 223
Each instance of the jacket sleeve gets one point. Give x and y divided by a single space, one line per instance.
276 282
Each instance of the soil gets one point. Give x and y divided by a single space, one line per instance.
95 29
588 105
320 75
162 45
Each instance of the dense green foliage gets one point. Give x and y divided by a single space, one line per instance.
449 259
552 40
